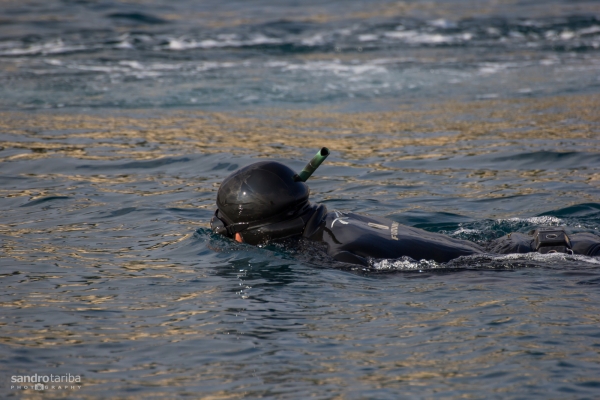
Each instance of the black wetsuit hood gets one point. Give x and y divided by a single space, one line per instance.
262 201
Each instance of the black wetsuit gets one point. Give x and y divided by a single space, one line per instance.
354 238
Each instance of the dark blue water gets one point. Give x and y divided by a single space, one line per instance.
118 121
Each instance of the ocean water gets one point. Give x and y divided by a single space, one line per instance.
119 119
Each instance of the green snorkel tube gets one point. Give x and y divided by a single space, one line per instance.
312 165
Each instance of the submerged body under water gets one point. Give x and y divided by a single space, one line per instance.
472 119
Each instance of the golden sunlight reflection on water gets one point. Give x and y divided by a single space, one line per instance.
441 130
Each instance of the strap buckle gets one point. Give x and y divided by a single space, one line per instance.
551 241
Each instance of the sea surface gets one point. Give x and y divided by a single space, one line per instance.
119 120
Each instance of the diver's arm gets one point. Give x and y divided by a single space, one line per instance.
512 243
585 243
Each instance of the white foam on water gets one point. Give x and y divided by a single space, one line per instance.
125 44
337 67
315 40
415 37
588 31
367 38
404 264
132 64
54 62
465 230
53 47
482 260
543 220
179 44
544 257
567 35
490 68
142 70
212 65
443 23
394 60
276 64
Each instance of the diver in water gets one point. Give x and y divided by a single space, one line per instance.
267 201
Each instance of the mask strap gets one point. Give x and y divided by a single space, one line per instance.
221 226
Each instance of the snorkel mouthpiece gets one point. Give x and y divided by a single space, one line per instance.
312 165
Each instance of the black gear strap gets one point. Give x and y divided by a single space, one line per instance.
222 224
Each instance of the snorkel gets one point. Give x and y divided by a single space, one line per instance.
312 165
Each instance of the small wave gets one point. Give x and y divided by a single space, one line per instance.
368 38
483 261
543 258
443 23
142 70
179 44
315 40
493 68
44 200
416 37
584 210
571 33
337 68
341 76
53 47
541 220
549 160
467 231
158 163
138 18
404 264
